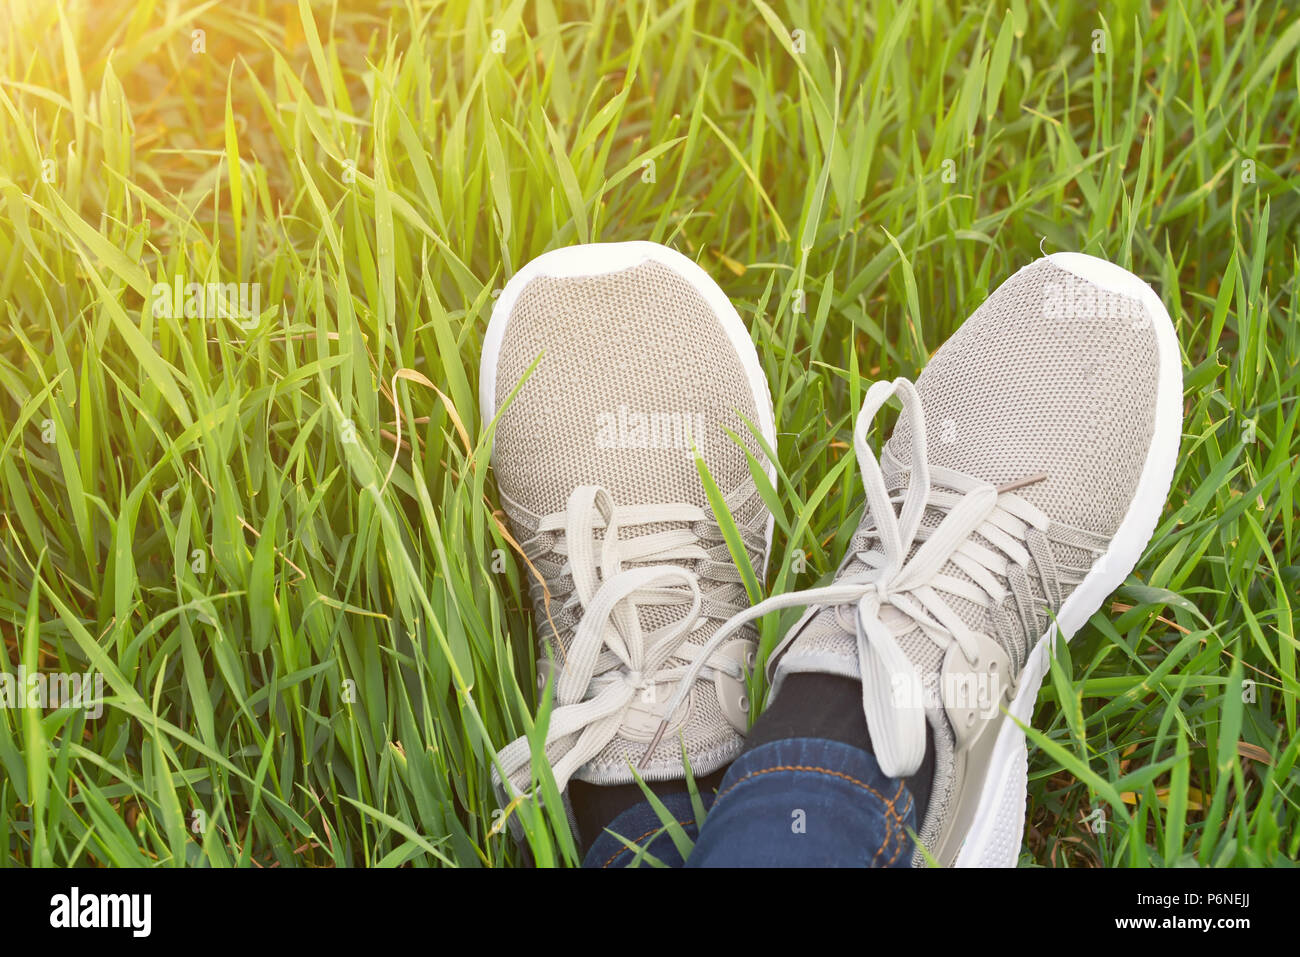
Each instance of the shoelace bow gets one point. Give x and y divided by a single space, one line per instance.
612 659
912 585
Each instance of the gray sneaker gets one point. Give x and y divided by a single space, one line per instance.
628 359
1023 480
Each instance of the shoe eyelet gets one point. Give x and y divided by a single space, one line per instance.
744 704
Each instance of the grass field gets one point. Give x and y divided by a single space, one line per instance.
273 532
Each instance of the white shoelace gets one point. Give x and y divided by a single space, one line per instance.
912 586
596 687
611 658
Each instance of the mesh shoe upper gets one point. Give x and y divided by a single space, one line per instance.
634 369
1050 382
1049 375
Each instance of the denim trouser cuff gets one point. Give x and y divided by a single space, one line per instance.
640 824
807 802
799 802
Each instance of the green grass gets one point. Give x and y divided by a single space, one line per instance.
301 623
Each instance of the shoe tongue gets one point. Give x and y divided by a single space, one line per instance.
892 466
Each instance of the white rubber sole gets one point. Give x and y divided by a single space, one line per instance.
597 259
996 833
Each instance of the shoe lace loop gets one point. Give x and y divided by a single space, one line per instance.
612 658
912 586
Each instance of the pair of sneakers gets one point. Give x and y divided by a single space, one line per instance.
1028 467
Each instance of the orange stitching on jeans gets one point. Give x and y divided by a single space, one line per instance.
626 850
889 829
887 802
902 843
884 842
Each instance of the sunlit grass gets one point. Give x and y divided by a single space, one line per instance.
275 535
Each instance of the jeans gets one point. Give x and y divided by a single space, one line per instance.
799 802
